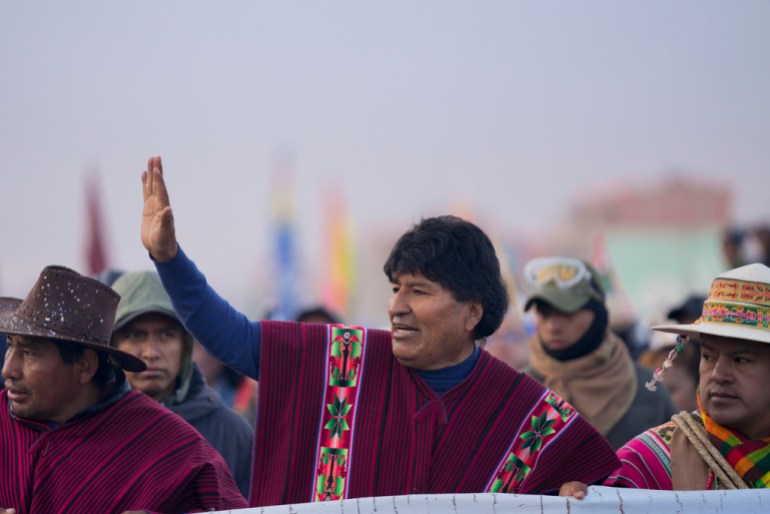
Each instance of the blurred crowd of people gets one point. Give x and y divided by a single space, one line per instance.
745 245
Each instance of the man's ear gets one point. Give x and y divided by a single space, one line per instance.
473 316
87 364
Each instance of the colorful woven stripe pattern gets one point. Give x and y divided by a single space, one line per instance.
736 314
646 461
738 291
751 459
549 417
738 303
346 346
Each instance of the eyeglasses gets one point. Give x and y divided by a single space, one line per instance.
564 272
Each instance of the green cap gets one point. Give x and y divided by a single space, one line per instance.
565 284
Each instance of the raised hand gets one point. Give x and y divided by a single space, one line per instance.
158 234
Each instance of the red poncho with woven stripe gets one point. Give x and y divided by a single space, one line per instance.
132 455
405 438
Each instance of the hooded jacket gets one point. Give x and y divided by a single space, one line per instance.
229 433
201 406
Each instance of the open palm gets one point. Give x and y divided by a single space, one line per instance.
158 234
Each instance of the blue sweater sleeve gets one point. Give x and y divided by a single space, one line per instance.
227 334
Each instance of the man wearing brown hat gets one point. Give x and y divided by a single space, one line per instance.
574 353
75 438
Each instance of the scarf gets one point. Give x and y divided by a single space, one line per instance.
751 459
600 385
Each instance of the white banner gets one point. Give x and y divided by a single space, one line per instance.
600 500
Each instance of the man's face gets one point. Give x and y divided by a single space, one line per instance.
40 385
734 376
559 330
158 341
431 330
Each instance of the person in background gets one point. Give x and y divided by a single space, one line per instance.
348 412
574 353
75 438
223 379
147 327
681 378
510 343
688 311
317 314
682 375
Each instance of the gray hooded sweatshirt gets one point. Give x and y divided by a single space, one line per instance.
230 434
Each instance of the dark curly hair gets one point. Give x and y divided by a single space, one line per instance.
458 255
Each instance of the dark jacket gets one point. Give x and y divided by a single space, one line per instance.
229 433
647 407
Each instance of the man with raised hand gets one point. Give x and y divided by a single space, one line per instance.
347 412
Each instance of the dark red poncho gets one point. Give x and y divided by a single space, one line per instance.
498 430
133 455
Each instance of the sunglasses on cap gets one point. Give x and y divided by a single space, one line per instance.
564 272
565 283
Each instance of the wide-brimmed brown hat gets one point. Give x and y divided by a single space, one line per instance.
67 306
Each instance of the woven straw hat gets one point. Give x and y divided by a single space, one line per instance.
738 305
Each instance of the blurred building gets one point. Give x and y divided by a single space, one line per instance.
679 202
657 243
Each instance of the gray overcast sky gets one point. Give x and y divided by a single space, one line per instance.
411 107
